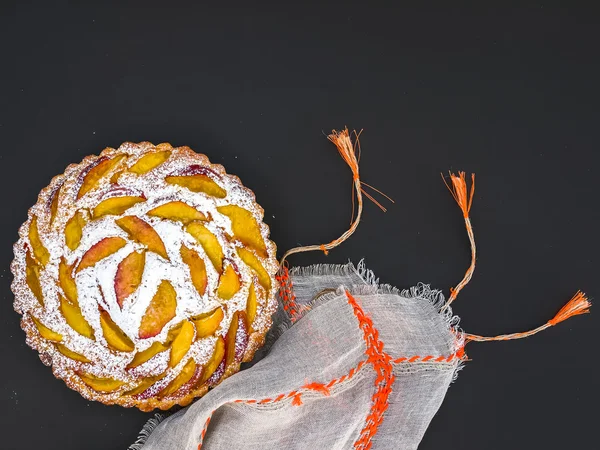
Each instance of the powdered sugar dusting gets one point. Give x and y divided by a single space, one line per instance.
95 284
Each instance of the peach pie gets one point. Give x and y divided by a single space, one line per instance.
145 276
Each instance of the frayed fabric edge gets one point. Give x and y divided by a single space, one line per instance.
147 430
421 291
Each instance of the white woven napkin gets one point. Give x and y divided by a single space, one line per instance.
349 363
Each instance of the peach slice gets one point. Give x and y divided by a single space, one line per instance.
66 280
71 354
32 277
145 355
39 251
160 311
208 323
177 211
115 337
245 228
242 336
46 332
115 205
114 179
251 260
75 319
148 162
209 243
140 231
54 202
186 374
197 268
215 360
129 275
229 284
198 183
230 340
101 384
99 251
182 343
96 171
74 230
145 384
251 304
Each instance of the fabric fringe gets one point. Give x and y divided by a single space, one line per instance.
147 430
372 286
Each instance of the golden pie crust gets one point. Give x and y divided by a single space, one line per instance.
145 276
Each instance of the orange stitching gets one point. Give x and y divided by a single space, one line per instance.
317 387
381 362
204 429
460 354
287 295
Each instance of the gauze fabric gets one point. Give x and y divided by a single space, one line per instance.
326 378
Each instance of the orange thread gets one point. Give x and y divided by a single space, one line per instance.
384 380
286 294
348 151
460 354
204 430
297 401
460 192
579 304
317 387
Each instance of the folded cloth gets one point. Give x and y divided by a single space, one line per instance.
349 363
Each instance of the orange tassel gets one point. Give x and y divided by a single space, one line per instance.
350 153
579 304
464 198
460 192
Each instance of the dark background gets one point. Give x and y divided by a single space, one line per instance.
509 93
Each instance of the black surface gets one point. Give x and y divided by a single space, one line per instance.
511 94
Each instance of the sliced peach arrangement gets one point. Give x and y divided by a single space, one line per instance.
142 232
197 268
99 251
229 283
96 171
160 311
46 332
207 324
66 280
209 243
74 230
129 275
39 250
115 338
254 263
116 205
150 161
198 183
184 336
75 319
188 372
177 211
101 384
71 354
32 277
245 228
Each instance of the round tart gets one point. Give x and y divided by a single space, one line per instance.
145 276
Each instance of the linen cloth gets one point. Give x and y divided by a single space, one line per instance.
349 363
